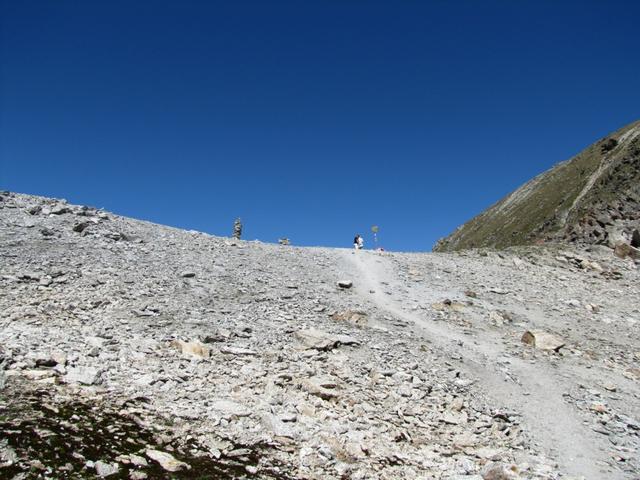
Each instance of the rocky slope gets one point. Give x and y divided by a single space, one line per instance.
594 198
133 350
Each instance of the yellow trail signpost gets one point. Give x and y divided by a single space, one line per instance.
374 230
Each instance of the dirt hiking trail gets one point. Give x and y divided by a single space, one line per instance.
533 390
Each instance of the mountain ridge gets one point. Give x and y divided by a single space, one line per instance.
592 198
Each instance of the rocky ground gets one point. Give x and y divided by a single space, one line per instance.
133 350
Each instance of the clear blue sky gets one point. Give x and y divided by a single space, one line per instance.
311 120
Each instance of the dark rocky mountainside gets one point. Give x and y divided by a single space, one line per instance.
594 198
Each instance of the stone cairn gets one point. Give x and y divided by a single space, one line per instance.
237 229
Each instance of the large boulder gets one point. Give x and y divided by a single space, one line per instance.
83 375
543 340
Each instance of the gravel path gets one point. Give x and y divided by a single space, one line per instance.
533 389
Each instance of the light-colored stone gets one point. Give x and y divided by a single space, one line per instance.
238 351
167 461
499 318
8 455
488 453
542 340
320 340
230 408
500 471
138 461
276 426
192 349
104 469
322 386
83 375
455 418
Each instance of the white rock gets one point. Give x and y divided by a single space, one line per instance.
542 340
322 386
276 426
238 351
106 469
455 418
193 349
230 408
138 461
166 460
83 375
320 340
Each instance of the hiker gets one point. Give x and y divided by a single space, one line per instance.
358 242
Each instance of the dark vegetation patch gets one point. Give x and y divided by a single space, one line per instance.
54 439
608 144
